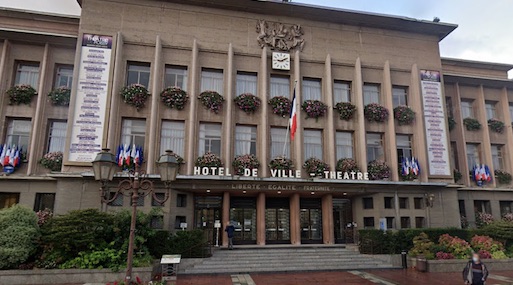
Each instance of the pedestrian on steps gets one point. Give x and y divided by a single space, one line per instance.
475 273
230 229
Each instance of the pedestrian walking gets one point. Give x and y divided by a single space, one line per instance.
230 229
475 273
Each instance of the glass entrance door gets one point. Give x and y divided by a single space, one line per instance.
277 220
243 216
311 221
207 211
342 216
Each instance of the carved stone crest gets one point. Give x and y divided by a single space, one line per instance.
278 36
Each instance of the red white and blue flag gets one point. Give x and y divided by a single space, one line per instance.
293 117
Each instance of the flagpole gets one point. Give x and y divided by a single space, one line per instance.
288 124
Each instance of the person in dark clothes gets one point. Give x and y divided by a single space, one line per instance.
475 273
230 229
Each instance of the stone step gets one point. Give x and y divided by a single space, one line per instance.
302 260
284 269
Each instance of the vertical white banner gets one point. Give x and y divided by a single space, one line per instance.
91 98
435 123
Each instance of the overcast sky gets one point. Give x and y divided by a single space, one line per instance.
484 32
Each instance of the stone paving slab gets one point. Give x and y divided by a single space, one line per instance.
411 276
204 280
310 278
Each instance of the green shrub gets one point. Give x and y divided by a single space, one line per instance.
97 259
501 231
187 243
18 236
422 246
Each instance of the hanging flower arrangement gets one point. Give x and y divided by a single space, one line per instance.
410 169
212 100
281 106
248 102
375 113
481 174
174 97
346 110
281 163
404 115
378 170
135 95
246 161
60 96
496 125
347 165
315 167
52 161
471 124
314 109
209 160
502 176
21 94
456 175
128 156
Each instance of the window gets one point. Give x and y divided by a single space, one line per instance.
44 201
57 136
390 222
18 133
490 110
374 147
467 110
140 201
368 222
403 147
368 203
118 202
212 79
247 83
405 223
370 94
313 143
399 96
482 206
344 143
209 139
506 207
27 74
420 222
138 73
311 89
157 222
341 91
418 203
9 199
473 155
454 156
176 76
279 86
245 140
172 137
181 200
179 220
133 132
461 206
279 140
389 202
497 160
64 76
404 203
160 197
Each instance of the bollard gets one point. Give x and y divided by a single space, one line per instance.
403 259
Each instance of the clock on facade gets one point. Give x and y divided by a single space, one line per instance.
281 61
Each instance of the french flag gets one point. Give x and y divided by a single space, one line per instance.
293 117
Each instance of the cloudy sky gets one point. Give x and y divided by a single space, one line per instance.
484 32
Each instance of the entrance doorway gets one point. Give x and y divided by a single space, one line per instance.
342 216
207 211
277 220
311 220
243 217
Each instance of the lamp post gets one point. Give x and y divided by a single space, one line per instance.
137 184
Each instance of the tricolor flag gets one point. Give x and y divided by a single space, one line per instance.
293 117
2 154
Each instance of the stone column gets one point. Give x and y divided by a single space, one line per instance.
390 141
295 223
360 142
3 63
112 132
419 137
486 145
459 130
260 219
192 122
328 232
506 116
329 134
156 87
225 216
228 119
263 129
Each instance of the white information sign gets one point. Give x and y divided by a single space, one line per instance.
435 123
91 98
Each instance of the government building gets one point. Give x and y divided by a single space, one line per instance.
371 91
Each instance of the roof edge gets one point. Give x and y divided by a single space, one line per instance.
477 64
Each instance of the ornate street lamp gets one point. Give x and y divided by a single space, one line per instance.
137 184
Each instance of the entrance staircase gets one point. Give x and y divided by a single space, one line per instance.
284 259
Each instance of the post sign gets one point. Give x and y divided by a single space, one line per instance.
383 224
91 98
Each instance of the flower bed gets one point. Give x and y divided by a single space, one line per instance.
502 176
243 162
135 95
248 102
314 108
209 160
471 124
404 115
378 170
347 165
315 167
375 113
52 161
60 96
174 97
496 125
212 101
21 94
346 110
281 163
280 106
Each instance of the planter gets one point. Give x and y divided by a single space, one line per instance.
174 97
135 95
280 106
345 110
471 124
60 96
248 102
375 113
404 115
212 101
314 109
21 94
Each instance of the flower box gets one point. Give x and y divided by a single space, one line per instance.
346 110
280 106
375 113
52 161
248 102
243 162
281 163
496 125
174 97
404 115
209 160
378 170
471 124
135 95
502 176
347 165
21 94
212 100
314 109
60 96
315 167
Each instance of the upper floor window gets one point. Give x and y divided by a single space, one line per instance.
313 143
138 73
473 155
490 110
344 143
172 137
209 139
482 206
279 86
212 79
9 199
44 201
63 76
245 140
399 96
176 76
27 74
133 131
371 94
279 142
497 157
57 136
341 91
403 147
18 133
312 89
375 147
467 110
247 83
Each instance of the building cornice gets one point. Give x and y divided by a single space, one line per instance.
477 80
477 64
